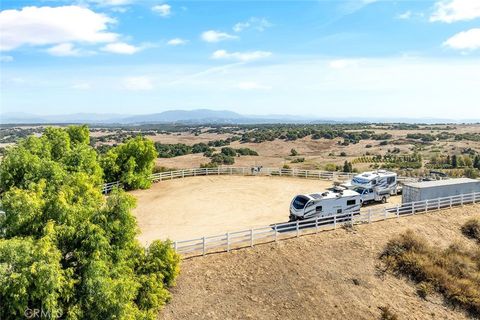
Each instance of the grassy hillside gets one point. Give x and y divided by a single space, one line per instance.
332 275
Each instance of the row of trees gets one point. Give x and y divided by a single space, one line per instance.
455 161
67 250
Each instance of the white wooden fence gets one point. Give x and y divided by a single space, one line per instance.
275 232
243 171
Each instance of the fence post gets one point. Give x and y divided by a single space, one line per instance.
298 228
413 207
398 211
228 241
243 171
461 199
426 205
218 170
251 237
351 218
369 215
335 221
450 202
316 225
438 204
204 246
183 173
231 170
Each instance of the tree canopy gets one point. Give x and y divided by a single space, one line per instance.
64 247
130 163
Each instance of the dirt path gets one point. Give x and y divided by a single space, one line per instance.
331 275
202 206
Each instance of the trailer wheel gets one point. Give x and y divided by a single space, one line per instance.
384 200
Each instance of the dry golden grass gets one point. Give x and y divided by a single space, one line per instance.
453 272
331 275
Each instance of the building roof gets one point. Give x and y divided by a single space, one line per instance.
437 183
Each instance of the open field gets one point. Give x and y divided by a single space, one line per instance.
331 275
201 206
315 153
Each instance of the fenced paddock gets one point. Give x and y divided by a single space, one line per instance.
251 237
243 171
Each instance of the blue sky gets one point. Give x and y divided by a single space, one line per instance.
366 58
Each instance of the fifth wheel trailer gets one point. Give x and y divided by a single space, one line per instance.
426 190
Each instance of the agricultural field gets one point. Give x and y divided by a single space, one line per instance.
331 275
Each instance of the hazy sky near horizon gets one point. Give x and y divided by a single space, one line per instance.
345 58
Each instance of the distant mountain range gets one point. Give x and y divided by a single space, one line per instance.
200 116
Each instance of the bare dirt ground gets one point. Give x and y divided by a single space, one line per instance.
331 275
201 206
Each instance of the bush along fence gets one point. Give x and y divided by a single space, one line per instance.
275 232
243 171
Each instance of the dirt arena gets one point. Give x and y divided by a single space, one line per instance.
201 206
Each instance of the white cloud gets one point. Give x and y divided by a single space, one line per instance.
176 42
48 25
216 36
138 83
466 40
121 48
64 50
259 24
456 10
4 58
405 16
342 63
163 10
241 56
252 86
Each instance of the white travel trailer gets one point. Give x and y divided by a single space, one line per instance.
327 203
380 179
376 185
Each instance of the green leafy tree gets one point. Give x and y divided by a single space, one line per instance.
476 162
454 161
130 163
67 249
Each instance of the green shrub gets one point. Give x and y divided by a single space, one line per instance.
227 151
452 272
298 160
471 229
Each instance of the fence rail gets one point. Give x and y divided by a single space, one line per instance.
243 171
275 232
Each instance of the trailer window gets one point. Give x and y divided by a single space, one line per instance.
351 202
339 211
299 202
390 180
318 209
